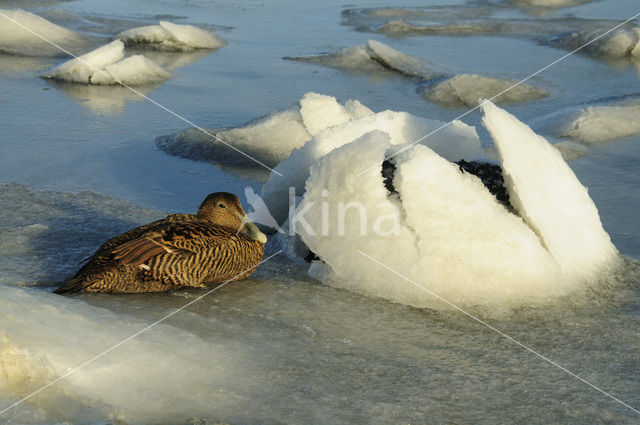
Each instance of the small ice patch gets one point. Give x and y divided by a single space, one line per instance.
555 4
371 57
17 28
595 123
106 66
466 89
621 43
170 36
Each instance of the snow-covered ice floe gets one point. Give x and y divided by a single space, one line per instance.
565 32
441 228
553 4
372 57
172 37
455 141
596 122
107 65
621 43
466 89
18 30
456 91
268 140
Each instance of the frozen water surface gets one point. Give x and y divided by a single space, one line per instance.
80 163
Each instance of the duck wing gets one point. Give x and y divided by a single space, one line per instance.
139 231
178 239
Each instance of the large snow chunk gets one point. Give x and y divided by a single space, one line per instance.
371 57
170 36
553 203
105 66
445 232
17 35
466 89
453 141
319 112
270 139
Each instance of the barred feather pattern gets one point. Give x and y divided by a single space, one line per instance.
179 251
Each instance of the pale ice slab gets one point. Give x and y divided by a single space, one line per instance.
454 141
621 43
371 57
486 19
106 66
570 150
270 139
595 123
556 4
125 386
134 70
169 36
18 29
466 89
554 203
451 237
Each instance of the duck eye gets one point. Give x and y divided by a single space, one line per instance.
222 205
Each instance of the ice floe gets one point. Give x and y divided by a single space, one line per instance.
466 89
170 36
370 57
469 20
18 29
456 91
558 207
442 231
595 122
621 43
106 65
454 141
552 4
270 139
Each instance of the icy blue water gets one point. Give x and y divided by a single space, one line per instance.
79 164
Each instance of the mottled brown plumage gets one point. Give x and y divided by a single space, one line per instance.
215 245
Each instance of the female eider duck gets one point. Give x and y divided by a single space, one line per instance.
218 244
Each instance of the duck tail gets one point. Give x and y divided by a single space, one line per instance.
71 286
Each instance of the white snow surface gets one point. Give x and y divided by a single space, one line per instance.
453 239
554 203
595 123
455 141
169 36
17 28
270 139
106 65
466 89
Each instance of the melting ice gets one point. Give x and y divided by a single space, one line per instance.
455 238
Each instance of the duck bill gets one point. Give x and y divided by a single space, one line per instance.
252 231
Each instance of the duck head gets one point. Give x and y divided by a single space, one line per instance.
224 209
